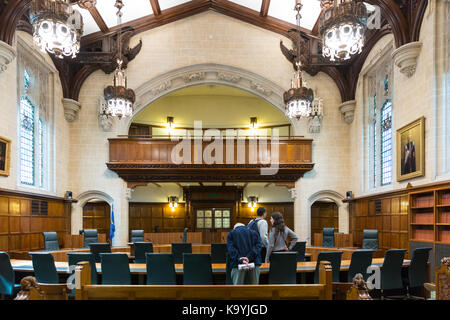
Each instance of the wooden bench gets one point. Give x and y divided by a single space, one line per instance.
84 290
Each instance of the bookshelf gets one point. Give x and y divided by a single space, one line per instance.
430 216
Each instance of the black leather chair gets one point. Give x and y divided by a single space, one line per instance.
7 277
160 269
218 252
300 248
391 271
361 260
97 248
90 236
197 269
140 249
50 241
283 268
334 257
178 248
137 236
370 239
115 268
44 267
328 238
417 273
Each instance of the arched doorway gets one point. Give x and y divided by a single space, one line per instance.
324 214
97 215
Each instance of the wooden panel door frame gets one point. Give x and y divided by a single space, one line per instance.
212 235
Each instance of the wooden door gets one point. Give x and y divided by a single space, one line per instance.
323 215
212 222
96 215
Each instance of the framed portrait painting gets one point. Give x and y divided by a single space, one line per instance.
5 156
411 150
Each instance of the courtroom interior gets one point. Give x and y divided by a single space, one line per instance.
136 136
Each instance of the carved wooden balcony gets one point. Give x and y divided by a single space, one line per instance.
137 160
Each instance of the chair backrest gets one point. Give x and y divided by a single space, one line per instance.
90 236
44 267
370 239
51 241
97 248
228 279
160 269
178 248
334 257
283 268
137 236
115 268
140 249
361 260
197 269
328 238
391 271
75 257
300 248
417 271
6 275
218 252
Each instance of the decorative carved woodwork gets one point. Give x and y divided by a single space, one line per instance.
402 18
442 278
359 290
149 160
32 290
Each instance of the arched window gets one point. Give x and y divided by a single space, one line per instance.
33 106
386 143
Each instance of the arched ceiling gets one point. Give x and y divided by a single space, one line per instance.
227 107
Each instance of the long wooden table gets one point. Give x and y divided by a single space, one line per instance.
217 268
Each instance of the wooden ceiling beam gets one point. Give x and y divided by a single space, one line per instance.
98 19
155 7
264 8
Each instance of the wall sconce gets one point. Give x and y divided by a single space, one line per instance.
253 122
170 125
173 202
252 202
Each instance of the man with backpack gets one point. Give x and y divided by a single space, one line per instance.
260 226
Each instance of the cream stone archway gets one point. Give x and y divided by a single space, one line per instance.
83 198
337 198
207 73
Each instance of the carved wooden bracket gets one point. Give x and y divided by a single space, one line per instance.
406 56
7 54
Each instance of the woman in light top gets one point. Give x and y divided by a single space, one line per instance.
278 235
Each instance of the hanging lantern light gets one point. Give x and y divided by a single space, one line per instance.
342 27
119 98
298 99
57 27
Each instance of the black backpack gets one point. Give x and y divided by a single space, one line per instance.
253 225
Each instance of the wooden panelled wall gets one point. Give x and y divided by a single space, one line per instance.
323 215
97 215
386 213
145 215
24 216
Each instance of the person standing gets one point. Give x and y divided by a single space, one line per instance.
260 225
278 235
244 247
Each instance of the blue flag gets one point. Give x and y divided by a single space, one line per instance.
113 227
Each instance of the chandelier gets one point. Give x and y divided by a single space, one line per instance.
342 27
119 98
57 27
298 99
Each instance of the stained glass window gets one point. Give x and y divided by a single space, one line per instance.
386 143
374 137
27 168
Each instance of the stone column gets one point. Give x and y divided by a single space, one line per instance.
301 219
344 221
7 54
77 218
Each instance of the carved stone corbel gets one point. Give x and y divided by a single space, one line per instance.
7 54
71 109
348 110
406 56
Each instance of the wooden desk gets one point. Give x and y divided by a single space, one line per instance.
218 268
346 252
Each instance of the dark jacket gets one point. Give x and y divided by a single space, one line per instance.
243 242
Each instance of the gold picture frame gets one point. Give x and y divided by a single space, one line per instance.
411 150
5 156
